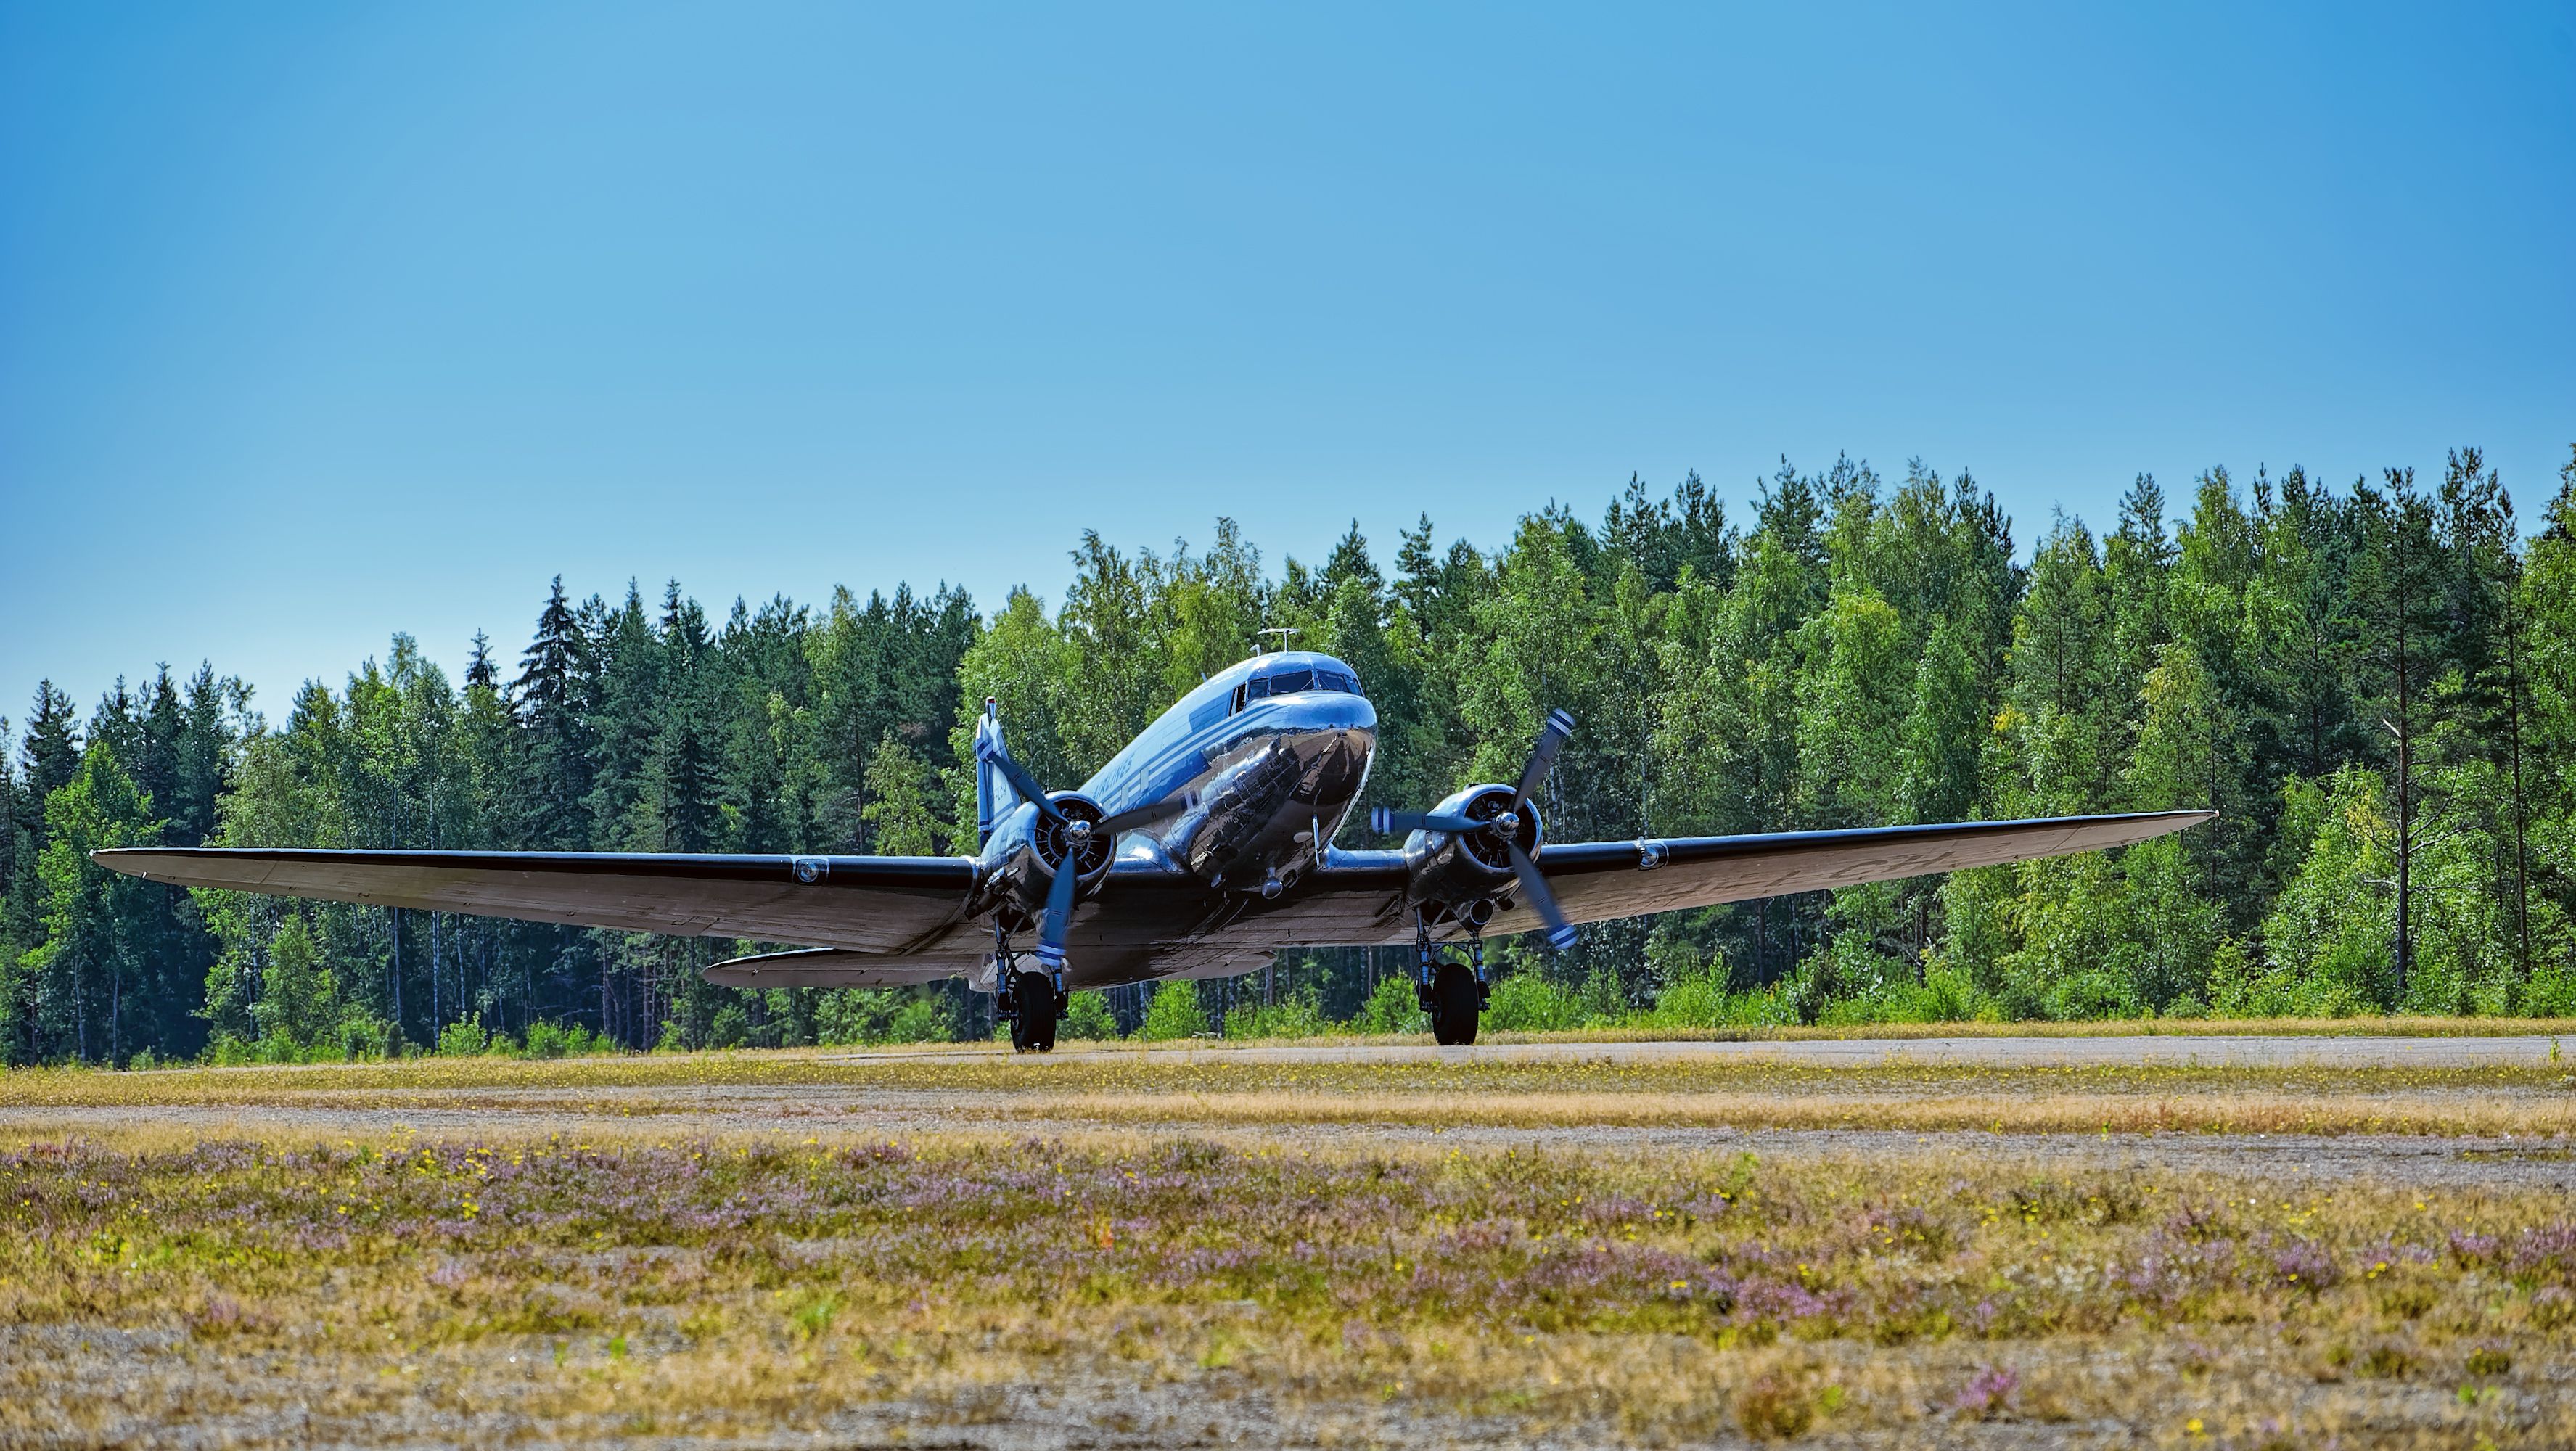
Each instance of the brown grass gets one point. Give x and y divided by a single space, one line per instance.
301 1288
2008 1113
1146 1088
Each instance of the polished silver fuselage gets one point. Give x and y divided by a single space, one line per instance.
1269 777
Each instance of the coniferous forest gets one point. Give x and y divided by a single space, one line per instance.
2374 684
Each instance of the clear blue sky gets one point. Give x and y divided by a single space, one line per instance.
318 323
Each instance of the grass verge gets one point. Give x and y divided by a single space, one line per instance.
279 1288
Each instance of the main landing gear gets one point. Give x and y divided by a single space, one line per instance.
1452 993
1033 1001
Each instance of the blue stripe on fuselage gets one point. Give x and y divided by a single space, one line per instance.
1174 755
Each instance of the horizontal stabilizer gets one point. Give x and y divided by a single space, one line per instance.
838 967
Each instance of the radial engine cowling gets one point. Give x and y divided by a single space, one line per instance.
1034 848
1462 872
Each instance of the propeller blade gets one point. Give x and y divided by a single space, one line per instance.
1000 755
1534 890
1542 756
1384 820
1059 914
1147 814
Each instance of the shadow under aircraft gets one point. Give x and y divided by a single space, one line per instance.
1198 851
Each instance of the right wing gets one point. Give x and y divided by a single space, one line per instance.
1598 880
865 903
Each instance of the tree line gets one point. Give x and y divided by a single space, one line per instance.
2375 687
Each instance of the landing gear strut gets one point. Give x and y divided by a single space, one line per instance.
1453 993
1033 1001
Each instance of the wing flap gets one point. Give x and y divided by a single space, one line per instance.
870 904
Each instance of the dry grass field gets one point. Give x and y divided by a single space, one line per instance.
1118 1248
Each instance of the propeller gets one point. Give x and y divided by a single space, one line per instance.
1078 832
1505 827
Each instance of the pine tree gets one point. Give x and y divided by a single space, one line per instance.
2397 585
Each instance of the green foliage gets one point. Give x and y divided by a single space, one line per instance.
1087 1016
557 1040
900 786
1703 1000
1174 1014
299 1001
845 1016
1299 1015
1392 1009
2326 944
464 1038
2371 687
1526 1002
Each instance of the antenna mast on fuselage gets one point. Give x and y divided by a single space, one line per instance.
1286 634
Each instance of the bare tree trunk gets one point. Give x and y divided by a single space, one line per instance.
1761 937
395 915
2405 815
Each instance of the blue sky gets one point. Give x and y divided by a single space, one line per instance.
320 323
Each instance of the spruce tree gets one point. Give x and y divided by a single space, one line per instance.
547 698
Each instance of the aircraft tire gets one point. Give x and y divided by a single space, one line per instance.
1033 1031
1454 1002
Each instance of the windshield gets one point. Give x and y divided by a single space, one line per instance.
1294 680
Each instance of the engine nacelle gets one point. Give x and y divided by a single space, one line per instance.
1461 873
1027 849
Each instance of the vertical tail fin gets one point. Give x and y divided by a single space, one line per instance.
994 797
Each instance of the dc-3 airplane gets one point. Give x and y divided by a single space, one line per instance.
1198 851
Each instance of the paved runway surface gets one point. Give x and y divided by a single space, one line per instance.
2205 1050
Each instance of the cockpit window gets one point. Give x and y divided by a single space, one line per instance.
1292 681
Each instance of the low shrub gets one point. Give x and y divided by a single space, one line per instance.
1703 1001
466 1039
1299 1015
1087 1016
1528 1003
1174 1013
1392 1009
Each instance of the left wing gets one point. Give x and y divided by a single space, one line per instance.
864 903
1359 899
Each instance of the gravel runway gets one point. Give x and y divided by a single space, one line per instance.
2209 1050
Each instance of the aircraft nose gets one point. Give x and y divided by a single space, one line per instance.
1337 711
